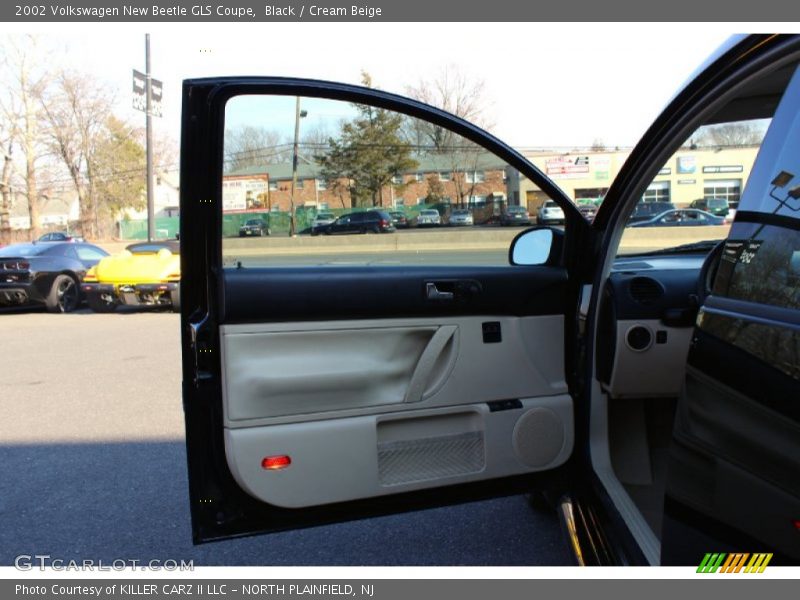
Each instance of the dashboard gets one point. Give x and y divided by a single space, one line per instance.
647 314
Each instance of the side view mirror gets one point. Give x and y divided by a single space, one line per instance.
534 246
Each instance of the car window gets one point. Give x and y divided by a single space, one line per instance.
151 248
65 250
708 172
90 253
354 159
761 259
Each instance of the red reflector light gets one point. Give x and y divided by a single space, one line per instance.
272 463
796 524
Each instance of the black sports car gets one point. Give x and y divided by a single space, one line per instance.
46 273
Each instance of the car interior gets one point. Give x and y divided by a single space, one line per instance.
648 309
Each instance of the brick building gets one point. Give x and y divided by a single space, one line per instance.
468 179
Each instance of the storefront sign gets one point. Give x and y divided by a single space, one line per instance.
723 169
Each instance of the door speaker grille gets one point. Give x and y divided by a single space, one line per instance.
538 437
410 461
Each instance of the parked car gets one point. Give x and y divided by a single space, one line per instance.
370 221
144 274
684 217
647 210
254 227
715 206
399 219
322 219
517 215
550 213
59 236
461 217
428 218
650 400
46 274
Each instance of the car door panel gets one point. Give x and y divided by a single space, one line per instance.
337 460
304 386
322 293
377 388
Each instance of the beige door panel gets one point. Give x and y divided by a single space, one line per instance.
273 373
337 460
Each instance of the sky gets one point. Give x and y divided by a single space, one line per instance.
546 85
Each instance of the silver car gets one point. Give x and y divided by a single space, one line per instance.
323 218
461 217
429 217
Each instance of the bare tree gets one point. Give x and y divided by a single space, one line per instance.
451 90
251 146
454 91
745 133
313 141
76 112
7 147
20 105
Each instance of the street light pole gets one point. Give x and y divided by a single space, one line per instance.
298 114
151 222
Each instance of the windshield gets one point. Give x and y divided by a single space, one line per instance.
24 250
253 222
151 248
709 171
516 209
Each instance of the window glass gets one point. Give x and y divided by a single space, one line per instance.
65 250
696 176
89 253
358 162
716 190
761 259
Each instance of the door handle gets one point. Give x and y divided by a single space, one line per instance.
427 361
433 293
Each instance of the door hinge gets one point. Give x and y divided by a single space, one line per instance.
203 349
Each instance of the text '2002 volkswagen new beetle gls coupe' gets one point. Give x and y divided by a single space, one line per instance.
644 380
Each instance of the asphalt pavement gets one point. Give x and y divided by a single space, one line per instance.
92 465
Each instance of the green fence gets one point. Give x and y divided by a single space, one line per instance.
277 221
166 228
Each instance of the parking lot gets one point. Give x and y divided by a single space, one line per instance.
93 464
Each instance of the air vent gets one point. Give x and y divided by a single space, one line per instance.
645 290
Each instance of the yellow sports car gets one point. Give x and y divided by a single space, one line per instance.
146 273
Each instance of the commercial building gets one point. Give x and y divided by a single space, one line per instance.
691 173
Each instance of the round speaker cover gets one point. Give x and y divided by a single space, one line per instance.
538 437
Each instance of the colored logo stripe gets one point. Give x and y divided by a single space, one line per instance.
733 563
758 563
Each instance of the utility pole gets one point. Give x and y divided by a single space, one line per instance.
298 114
151 221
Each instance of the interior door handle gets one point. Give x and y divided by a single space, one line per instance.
426 362
433 293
